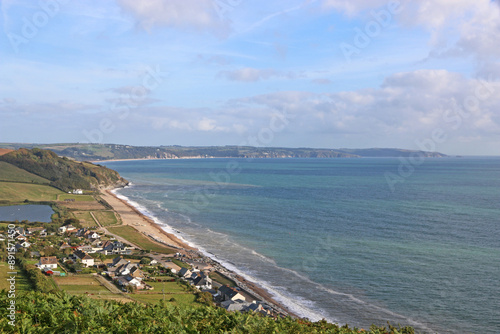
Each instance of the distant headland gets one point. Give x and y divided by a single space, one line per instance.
101 152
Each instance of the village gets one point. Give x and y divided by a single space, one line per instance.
78 252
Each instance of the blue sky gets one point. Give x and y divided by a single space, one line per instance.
325 73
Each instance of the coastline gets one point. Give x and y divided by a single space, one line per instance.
132 216
177 158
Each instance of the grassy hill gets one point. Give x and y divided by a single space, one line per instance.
19 192
12 173
60 173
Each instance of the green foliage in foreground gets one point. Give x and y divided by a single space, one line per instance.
62 313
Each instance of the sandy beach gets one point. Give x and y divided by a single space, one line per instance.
131 216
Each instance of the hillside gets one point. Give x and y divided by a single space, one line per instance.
4 151
12 173
97 152
60 173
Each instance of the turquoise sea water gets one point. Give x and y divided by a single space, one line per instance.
331 240
32 213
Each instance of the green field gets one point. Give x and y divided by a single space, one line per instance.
12 173
181 264
18 192
85 218
77 285
83 289
155 297
136 237
170 287
221 279
106 218
77 198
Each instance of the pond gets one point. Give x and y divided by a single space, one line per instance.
32 213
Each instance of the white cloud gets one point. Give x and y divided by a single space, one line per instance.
406 108
457 27
322 81
206 124
249 74
195 14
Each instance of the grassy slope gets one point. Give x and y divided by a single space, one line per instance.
18 192
10 172
221 279
106 218
134 236
85 219
77 198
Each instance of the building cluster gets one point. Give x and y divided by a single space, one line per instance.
230 298
21 236
124 273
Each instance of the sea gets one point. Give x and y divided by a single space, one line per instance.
353 241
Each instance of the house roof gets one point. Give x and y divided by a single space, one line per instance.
237 305
230 292
184 271
48 260
118 261
136 272
82 255
64 246
122 280
202 280
254 307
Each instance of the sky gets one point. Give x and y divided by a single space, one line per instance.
413 74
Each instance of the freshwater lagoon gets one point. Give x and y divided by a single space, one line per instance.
32 213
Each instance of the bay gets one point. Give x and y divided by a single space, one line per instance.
332 239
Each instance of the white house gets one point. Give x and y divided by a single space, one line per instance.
228 293
203 282
47 262
84 258
78 192
92 235
184 272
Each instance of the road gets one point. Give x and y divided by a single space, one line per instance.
117 237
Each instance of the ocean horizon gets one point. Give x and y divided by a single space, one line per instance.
332 239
